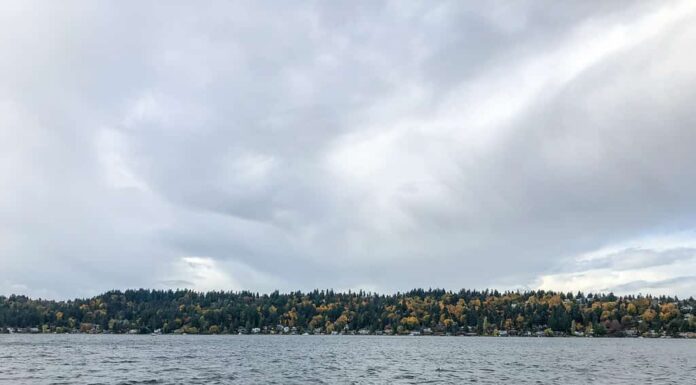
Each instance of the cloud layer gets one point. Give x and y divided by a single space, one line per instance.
377 145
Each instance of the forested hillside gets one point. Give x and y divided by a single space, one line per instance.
466 312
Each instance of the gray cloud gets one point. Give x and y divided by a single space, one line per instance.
369 144
177 283
636 258
639 286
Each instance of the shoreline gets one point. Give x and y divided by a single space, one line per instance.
690 337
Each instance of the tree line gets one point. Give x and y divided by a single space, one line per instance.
486 312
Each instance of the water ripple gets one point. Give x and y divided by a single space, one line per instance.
131 360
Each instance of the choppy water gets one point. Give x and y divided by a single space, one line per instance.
120 359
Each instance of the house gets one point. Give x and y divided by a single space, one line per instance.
503 333
256 330
363 332
414 333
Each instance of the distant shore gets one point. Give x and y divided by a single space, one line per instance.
419 312
679 336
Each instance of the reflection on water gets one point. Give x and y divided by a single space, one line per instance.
121 359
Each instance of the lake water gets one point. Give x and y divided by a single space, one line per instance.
121 359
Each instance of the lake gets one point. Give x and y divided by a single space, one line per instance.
168 359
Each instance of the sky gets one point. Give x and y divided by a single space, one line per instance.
371 145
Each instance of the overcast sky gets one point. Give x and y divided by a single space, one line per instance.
347 145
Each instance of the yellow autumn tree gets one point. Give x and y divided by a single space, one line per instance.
649 315
668 311
631 309
410 322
